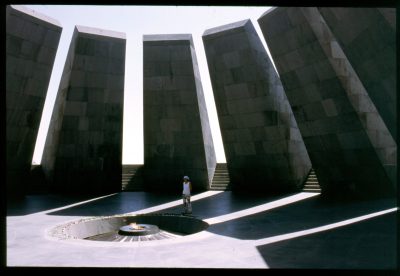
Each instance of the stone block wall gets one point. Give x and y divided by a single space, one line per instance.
368 39
349 145
83 150
31 44
263 146
177 136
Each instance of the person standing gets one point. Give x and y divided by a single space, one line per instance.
187 188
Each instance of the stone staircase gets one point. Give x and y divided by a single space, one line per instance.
131 178
311 185
221 178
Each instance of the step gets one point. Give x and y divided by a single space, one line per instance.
129 173
312 190
311 186
224 186
127 176
219 185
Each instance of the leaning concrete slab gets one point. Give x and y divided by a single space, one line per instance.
31 44
263 146
177 135
367 36
83 150
350 147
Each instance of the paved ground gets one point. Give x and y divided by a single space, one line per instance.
296 231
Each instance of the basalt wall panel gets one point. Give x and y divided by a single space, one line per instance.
349 145
31 44
263 146
368 38
83 150
177 135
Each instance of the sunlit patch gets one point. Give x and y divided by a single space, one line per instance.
322 228
175 203
72 205
261 208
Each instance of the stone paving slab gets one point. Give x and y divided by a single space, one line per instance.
247 231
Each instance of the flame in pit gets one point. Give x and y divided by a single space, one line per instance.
133 225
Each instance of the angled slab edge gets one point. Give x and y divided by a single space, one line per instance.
168 39
34 14
267 12
99 32
224 29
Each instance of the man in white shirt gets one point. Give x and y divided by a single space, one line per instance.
187 188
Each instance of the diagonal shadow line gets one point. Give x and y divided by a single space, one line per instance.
127 202
224 203
261 208
322 228
301 215
117 204
75 204
31 204
173 205
364 242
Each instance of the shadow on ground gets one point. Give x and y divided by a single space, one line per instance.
224 203
120 203
37 203
297 216
369 244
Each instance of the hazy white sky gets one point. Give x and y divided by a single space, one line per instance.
136 21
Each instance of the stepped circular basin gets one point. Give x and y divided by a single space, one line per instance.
129 228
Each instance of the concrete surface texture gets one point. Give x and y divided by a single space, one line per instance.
177 135
346 139
263 145
83 150
296 231
31 44
370 46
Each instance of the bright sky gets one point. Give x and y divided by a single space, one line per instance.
135 21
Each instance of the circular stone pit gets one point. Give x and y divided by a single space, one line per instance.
119 228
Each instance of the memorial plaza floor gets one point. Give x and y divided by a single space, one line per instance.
294 231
